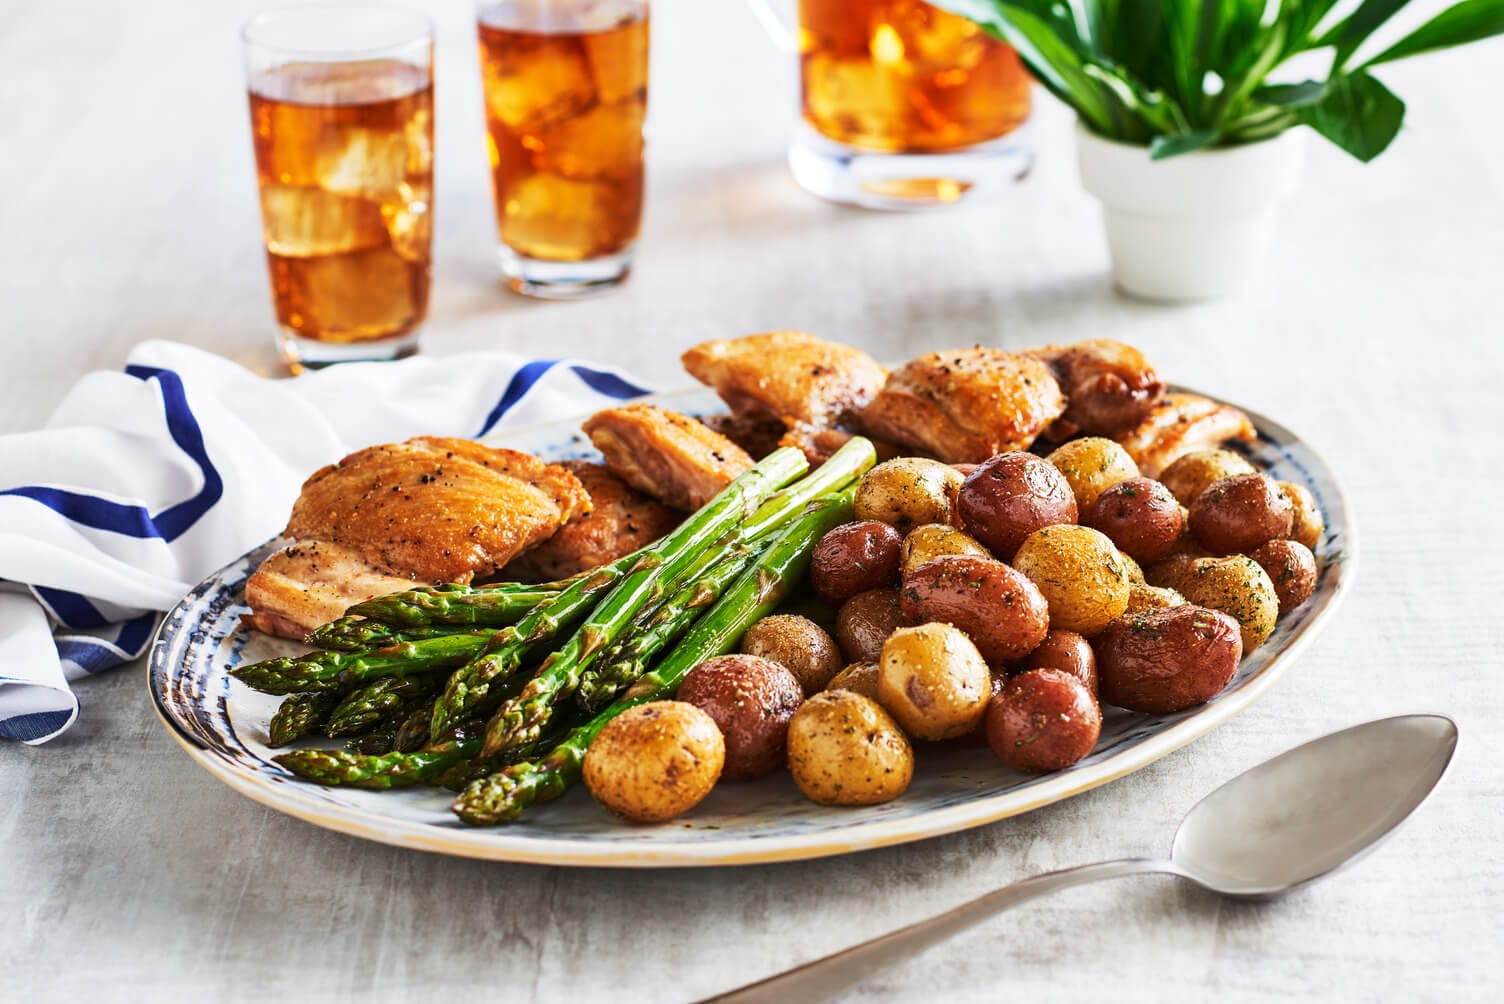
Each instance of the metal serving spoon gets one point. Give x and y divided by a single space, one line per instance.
1271 829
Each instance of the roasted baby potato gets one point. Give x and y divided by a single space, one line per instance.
751 701
1141 517
1001 611
1091 465
907 492
1160 661
799 645
1068 652
1240 514
854 558
935 540
1195 472
1291 566
865 621
1142 596
1235 585
655 761
1308 524
859 678
1009 497
1079 572
934 681
844 749
1043 720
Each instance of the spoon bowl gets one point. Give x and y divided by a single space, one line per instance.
1314 809
1289 821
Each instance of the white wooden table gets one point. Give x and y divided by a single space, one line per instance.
127 212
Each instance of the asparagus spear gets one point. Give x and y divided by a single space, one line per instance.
468 686
501 797
354 634
299 716
380 699
493 606
386 770
324 671
412 734
522 720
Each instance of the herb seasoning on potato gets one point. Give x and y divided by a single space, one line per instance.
934 681
655 761
844 749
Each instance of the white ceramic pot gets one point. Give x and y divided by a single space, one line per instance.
1191 227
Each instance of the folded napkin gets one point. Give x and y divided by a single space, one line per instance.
144 482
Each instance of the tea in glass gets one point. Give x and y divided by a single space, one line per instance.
928 92
566 94
343 136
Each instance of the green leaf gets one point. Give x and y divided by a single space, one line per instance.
1354 30
1358 113
1469 21
1186 142
1307 92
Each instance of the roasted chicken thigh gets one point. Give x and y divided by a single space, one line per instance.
1179 424
620 521
675 459
1109 387
965 405
788 377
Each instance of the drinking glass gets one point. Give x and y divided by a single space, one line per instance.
903 105
342 121
566 90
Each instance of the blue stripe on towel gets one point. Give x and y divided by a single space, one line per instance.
522 381
132 520
608 384
70 608
33 726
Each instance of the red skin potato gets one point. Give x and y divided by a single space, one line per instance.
751 701
1009 497
1141 517
1165 660
1004 614
1044 720
1068 652
853 558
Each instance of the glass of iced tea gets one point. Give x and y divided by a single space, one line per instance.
566 90
342 121
904 105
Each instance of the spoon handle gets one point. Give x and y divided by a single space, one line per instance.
824 977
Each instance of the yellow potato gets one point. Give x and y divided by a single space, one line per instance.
1236 585
844 749
935 540
907 492
655 761
1193 473
1309 524
1080 573
1092 465
798 644
1142 596
934 681
1131 567
859 678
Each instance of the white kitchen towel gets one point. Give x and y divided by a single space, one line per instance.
144 482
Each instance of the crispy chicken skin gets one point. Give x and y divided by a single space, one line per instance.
1179 424
1109 387
671 457
790 377
309 583
757 437
438 510
964 405
620 521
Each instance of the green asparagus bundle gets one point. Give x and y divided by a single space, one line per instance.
626 592
521 721
324 671
300 716
503 796
376 702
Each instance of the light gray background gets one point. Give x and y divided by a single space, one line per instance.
127 211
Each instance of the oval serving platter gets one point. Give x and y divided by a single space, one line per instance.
222 724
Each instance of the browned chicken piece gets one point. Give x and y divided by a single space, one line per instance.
311 583
425 511
788 377
964 405
818 444
620 521
758 438
1109 387
1179 424
670 456
439 510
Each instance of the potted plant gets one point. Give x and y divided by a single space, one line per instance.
1187 112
